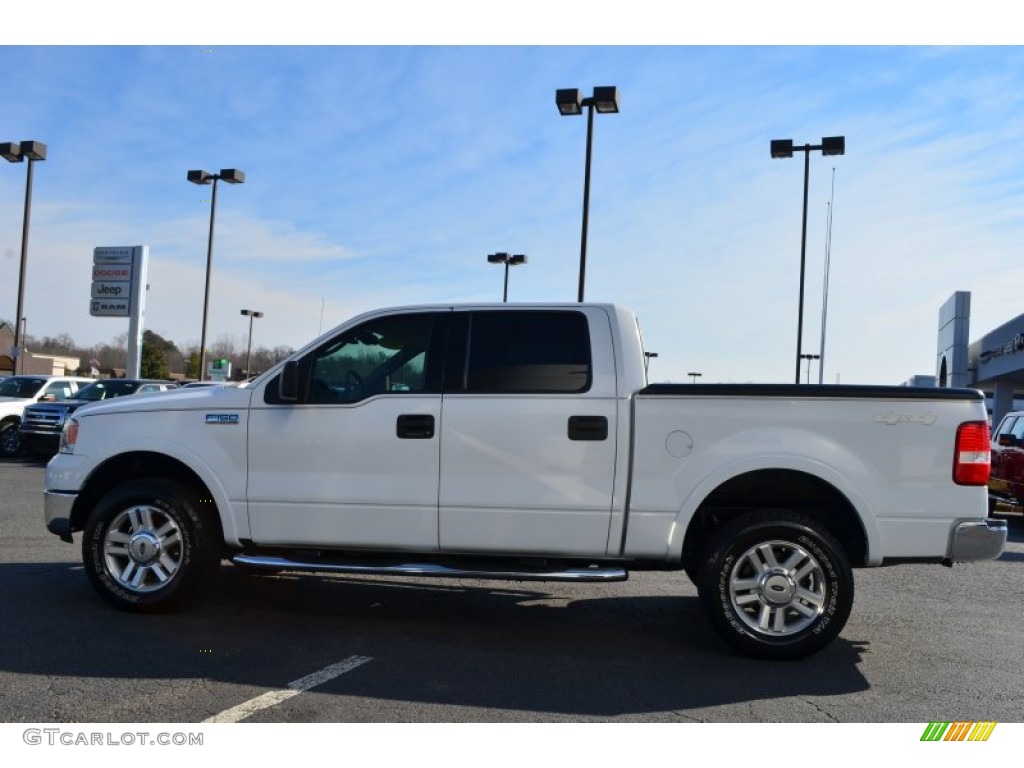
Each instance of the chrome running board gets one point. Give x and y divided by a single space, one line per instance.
430 569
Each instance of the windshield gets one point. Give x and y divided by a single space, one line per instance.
102 390
21 386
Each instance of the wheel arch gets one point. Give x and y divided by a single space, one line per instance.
796 490
136 465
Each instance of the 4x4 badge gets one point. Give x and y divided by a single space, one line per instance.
891 418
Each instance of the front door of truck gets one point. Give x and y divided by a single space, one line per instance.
528 438
353 463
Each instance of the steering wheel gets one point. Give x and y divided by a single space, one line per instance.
353 381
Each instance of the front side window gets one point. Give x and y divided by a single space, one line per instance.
104 390
57 391
386 355
526 351
1018 430
1004 427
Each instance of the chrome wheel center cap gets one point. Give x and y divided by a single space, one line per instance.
778 588
144 548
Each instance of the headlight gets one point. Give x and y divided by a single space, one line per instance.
69 435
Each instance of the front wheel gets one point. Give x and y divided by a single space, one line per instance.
777 585
10 440
147 546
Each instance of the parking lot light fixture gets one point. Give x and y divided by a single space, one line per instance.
509 260
783 148
570 101
808 358
16 152
231 176
252 314
648 356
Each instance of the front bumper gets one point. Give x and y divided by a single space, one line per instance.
40 441
976 540
57 512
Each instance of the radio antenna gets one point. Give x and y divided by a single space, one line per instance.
824 291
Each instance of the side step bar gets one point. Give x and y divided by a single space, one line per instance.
431 569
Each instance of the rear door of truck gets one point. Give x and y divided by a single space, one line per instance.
528 432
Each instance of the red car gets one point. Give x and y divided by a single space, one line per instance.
1006 481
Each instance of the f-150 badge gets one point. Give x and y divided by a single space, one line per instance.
222 418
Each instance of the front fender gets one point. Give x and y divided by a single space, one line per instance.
222 472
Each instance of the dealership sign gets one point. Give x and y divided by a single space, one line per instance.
1009 348
112 283
119 290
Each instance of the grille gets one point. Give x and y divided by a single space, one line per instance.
43 421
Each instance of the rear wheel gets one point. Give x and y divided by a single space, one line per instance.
147 546
776 585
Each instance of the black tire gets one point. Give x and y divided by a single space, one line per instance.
692 571
10 440
776 585
147 546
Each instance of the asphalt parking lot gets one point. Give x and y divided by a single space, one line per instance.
925 643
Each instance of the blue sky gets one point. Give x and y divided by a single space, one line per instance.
381 176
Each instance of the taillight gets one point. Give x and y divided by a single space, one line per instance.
972 461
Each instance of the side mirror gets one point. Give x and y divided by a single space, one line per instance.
49 399
1007 440
288 382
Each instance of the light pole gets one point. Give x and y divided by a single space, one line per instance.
695 374
570 101
830 145
231 176
252 314
647 361
509 261
808 358
16 152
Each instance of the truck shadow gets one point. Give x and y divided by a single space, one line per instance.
546 651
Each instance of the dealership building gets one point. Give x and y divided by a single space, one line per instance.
994 363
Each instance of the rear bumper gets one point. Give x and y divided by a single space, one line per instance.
976 540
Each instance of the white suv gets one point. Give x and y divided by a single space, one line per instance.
18 391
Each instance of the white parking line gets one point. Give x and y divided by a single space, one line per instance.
245 709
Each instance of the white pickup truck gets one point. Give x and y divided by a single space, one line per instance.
523 442
17 392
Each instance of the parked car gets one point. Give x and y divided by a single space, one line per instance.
1006 482
16 392
41 424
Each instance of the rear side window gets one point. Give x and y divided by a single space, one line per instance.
524 351
20 387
